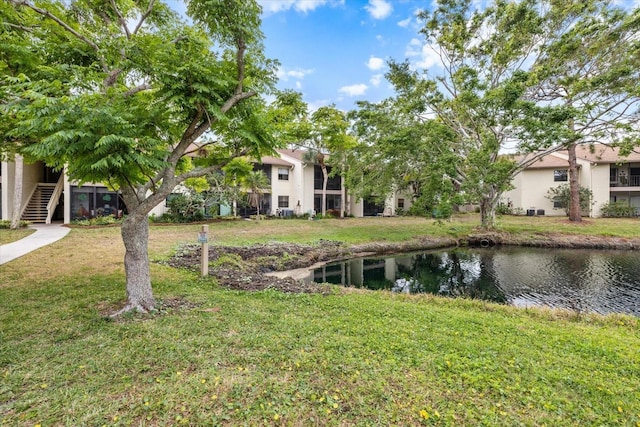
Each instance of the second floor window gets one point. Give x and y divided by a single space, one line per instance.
283 174
560 175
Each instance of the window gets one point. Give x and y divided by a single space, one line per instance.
89 202
283 201
613 175
283 174
558 204
400 203
560 175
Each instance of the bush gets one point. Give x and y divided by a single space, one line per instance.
5 223
99 220
561 197
187 207
504 209
618 210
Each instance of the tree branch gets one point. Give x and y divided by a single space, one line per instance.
144 16
137 89
121 20
64 25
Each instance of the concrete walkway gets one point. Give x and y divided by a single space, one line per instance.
44 235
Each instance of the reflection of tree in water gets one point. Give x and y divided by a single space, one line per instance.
454 273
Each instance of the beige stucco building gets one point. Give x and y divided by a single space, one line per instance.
296 189
601 169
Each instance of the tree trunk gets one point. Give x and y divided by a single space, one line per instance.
575 214
17 191
325 179
135 235
343 198
488 205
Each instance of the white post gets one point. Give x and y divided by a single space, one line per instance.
204 253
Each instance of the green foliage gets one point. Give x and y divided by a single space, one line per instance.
621 209
97 221
213 356
187 207
5 223
127 93
512 71
561 196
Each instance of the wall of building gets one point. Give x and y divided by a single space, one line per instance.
599 183
531 190
32 174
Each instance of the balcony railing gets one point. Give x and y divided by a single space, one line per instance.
623 181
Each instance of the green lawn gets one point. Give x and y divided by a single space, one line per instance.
268 358
8 236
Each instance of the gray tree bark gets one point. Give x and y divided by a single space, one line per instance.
17 191
135 235
575 214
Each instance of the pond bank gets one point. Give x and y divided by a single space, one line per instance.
254 268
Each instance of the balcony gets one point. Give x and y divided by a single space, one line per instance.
623 181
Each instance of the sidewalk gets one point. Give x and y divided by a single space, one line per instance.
45 234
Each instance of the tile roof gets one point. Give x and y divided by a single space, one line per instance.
596 153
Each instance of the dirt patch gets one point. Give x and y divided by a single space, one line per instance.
245 268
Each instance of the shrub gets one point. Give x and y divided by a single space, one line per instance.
187 207
99 220
5 223
561 197
618 210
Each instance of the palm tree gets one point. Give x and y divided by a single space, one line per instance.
256 183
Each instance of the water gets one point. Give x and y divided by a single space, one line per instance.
581 280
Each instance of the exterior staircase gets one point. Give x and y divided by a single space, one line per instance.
37 210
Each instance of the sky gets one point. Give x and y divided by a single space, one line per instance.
336 51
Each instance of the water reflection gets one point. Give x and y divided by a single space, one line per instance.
582 280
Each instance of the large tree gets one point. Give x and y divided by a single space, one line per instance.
400 152
590 71
132 90
489 61
323 133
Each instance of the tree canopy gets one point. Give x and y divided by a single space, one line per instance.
124 92
493 86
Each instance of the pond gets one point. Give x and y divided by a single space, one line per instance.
581 280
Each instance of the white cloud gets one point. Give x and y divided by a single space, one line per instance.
354 90
375 63
314 105
304 6
376 79
425 53
404 23
297 73
379 9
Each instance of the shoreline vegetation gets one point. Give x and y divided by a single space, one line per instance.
212 355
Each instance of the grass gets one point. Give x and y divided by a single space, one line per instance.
268 358
9 236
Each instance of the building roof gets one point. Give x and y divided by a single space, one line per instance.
549 161
295 153
600 153
276 161
596 153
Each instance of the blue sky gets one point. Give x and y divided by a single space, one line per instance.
336 51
